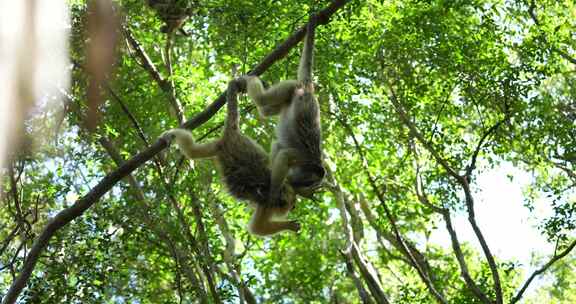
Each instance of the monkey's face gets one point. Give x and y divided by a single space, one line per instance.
306 178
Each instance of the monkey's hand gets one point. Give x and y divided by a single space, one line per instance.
169 136
243 82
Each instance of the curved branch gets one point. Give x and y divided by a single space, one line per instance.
80 206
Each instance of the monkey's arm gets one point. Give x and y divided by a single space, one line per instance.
271 101
187 145
307 59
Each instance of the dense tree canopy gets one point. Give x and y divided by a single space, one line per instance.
418 99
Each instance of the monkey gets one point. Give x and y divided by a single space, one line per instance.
297 151
244 166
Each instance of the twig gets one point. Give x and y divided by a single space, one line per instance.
131 117
149 66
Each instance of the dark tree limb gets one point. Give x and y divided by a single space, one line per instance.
463 181
80 206
362 292
181 259
352 252
469 199
464 272
456 247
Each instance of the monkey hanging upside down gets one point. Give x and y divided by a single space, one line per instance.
297 152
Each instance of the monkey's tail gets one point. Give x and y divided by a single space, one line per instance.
307 59
232 119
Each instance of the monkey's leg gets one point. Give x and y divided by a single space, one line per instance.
262 225
187 145
270 102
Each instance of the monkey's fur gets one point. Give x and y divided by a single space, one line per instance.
297 152
244 166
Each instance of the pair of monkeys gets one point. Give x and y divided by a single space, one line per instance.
295 164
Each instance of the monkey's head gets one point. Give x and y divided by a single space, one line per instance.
306 178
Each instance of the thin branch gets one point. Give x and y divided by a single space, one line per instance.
139 195
8 240
131 117
364 296
541 270
456 247
440 112
177 105
80 206
439 297
463 181
462 262
566 170
149 66
483 244
351 251
407 122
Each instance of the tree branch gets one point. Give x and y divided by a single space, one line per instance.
180 258
463 181
462 262
80 206
362 292
352 252
400 241
542 269
492 129
149 66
